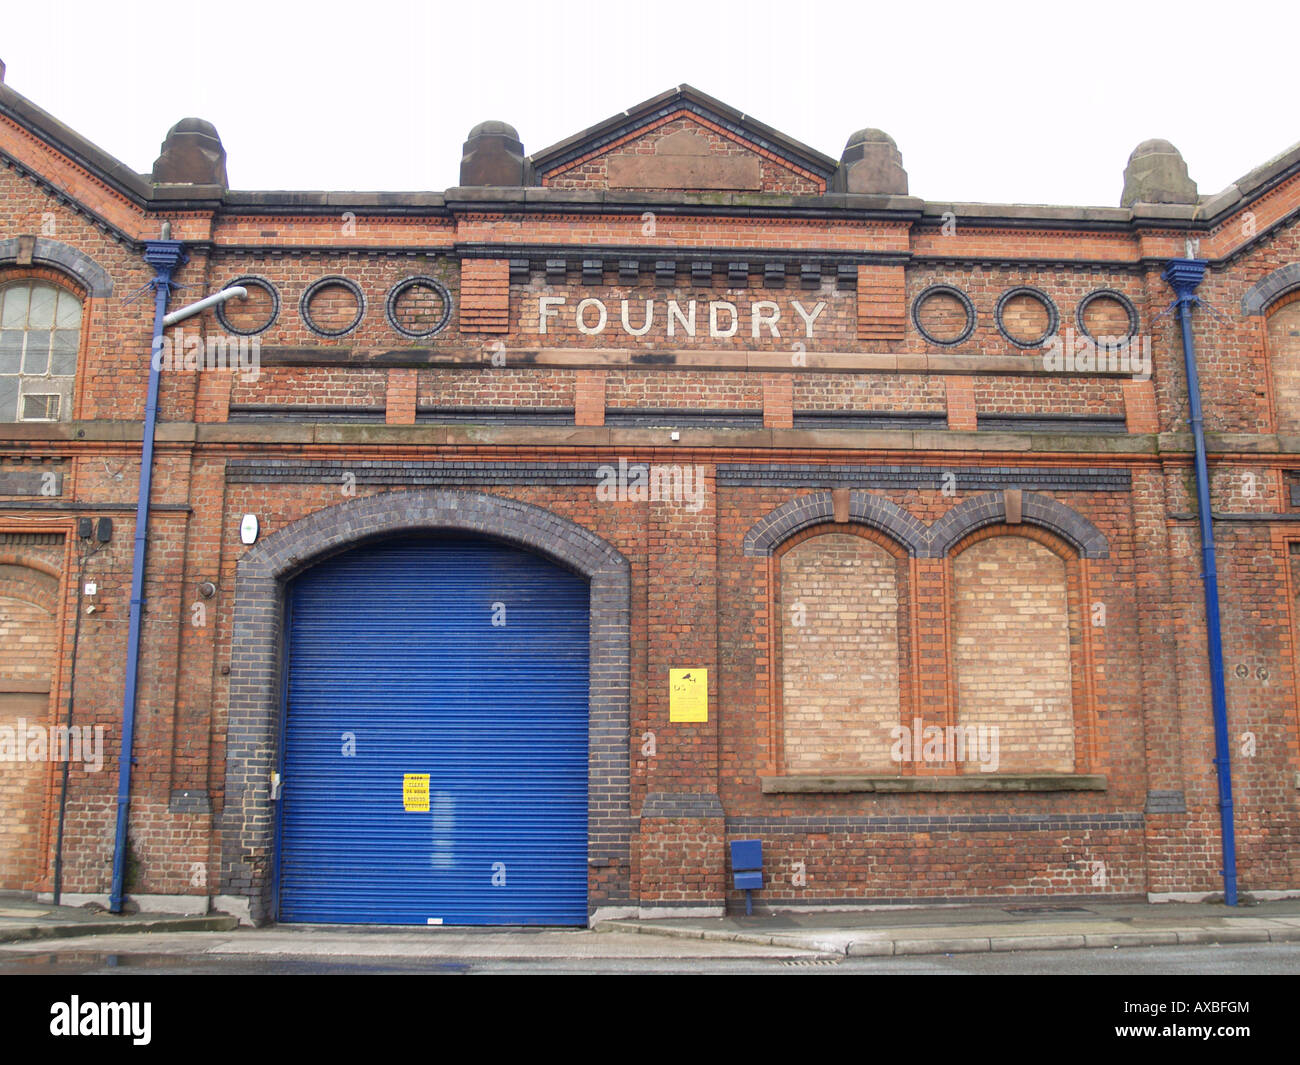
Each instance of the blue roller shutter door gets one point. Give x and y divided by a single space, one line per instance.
462 659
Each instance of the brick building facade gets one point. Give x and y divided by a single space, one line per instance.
791 425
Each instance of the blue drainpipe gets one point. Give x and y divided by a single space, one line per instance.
1183 276
165 256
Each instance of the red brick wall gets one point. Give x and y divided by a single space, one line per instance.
876 392
659 389
1137 680
286 386
495 387
1086 396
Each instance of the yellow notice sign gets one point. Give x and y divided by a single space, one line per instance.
688 695
415 793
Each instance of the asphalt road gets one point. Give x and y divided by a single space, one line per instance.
1266 959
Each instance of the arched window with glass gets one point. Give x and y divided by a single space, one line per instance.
40 332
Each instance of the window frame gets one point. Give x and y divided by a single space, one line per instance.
64 385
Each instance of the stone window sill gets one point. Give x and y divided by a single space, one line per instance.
841 784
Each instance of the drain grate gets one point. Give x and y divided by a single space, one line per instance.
1045 909
802 962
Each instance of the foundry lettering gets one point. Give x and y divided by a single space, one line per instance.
103 1018
592 317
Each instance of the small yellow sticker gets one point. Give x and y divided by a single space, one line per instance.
415 793
688 695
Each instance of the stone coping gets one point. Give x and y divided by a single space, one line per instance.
272 433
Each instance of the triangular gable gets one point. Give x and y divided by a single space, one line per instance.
683 139
69 168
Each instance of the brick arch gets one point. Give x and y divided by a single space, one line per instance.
31 586
989 508
40 565
1266 290
865 508
10 274
252 738
93 278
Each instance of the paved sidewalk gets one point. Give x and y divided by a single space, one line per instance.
970 929
25 919
883 932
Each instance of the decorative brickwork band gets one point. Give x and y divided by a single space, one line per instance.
252 737
882 303
485 296
808 475
673 805
1056 822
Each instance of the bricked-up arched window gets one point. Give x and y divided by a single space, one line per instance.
40 330
1284 359
843 606
1012 629
29 641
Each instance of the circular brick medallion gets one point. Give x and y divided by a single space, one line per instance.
1107 313
256 314
332 306
943 315
1026 316
418 307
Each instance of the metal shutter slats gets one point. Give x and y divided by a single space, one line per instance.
395 644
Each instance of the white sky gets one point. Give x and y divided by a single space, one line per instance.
1035 102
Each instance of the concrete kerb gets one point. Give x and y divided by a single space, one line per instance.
907 941
38 930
